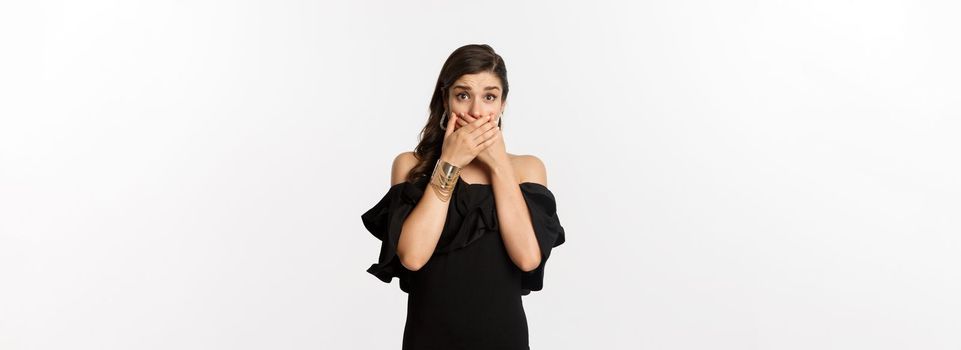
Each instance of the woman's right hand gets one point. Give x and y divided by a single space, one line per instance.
462 145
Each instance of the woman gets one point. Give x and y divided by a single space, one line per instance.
469 247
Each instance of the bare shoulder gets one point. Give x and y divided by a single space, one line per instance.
529 168
402 165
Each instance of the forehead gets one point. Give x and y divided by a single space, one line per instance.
478 80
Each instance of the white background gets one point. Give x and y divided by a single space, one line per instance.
730 175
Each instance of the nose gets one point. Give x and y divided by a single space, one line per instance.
476 110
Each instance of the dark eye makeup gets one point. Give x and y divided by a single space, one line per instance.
494 96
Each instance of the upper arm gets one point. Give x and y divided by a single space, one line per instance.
402 165
533 170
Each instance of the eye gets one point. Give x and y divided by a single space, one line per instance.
460 94
494 97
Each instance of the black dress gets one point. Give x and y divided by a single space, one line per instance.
468 295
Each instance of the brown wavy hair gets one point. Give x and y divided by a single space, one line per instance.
467 59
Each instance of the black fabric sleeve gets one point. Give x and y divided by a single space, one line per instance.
384 221
547 229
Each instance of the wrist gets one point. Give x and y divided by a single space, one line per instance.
444 179
497 161
502 171
450 160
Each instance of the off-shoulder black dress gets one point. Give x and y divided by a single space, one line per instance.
468 295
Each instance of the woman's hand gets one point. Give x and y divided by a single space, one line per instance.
463 145
496 152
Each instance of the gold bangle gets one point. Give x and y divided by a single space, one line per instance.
444 179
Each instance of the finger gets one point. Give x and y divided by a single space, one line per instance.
461 122
450 124
487 134
471 119
476 123
489 141
464 119
482 129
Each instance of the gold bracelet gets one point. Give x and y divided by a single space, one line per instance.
444 179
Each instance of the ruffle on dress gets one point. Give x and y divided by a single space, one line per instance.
472 212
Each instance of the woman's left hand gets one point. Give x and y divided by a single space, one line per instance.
496 153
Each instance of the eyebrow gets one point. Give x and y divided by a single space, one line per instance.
468 88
